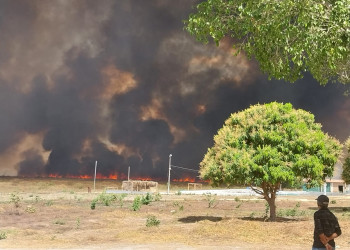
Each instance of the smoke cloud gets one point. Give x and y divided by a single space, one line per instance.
122 83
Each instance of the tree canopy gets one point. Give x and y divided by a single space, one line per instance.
287 37
266 145
346 165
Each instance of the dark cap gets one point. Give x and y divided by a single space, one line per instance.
322 200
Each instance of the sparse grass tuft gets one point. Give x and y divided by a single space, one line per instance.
49 203
211 199
157 197
152 221
3 235
77 223
291 212
176 204
59 222
15 199
30 209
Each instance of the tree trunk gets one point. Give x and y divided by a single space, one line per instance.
272 204
269 194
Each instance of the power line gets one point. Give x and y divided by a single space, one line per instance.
185 168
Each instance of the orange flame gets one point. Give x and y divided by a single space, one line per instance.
121 177
98 176
186 179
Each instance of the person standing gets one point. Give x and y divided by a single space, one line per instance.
326 226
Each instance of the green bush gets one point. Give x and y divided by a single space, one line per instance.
292 212
107 199
3 235
147 199
157 197
152 221
93 204
178 205
15 199
136 204
120 199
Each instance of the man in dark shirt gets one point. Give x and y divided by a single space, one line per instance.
326 226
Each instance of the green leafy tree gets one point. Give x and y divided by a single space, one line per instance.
286 37
266 145
346 165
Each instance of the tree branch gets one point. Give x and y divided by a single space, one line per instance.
256 190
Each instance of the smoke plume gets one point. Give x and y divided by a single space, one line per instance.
122 83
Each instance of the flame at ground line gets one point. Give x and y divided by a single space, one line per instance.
98 176
122 177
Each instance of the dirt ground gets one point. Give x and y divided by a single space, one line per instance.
57 214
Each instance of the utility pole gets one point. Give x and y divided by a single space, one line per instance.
129 173
95 176
169 173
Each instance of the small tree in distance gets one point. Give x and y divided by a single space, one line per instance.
346 165
266 145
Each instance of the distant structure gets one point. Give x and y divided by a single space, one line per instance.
333 185
336 183
135 185
194 186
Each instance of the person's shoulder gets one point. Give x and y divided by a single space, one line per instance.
332 213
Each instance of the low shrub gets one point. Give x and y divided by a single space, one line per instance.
292 212
49 203
152 221
157 197
147 199
93 204
211 199
136 204
3 235
30 209
15 199
59 222
107 199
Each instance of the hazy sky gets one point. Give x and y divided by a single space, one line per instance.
122 83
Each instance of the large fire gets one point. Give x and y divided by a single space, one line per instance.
121 177
187 179
98 176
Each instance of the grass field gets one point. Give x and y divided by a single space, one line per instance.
58 214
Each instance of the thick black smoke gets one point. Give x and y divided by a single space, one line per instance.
122 83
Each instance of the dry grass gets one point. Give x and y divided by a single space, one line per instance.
56 213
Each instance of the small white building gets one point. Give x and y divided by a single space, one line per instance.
336 184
